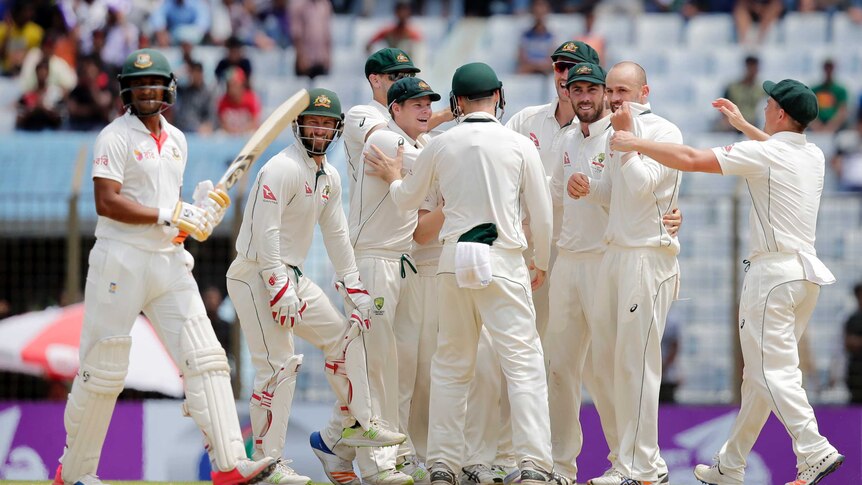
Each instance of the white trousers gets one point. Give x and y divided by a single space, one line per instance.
416 338
774 310
634 291
567 346
505 308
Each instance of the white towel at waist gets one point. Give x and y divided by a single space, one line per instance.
473 265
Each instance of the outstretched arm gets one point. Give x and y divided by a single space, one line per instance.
672 155
734 117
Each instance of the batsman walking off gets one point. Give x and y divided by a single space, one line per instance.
138 167
784 175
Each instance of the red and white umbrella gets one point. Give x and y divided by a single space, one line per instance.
45 343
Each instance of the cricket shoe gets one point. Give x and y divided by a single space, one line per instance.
532 474
85 480
479 474
283 474
246 472
562 480
441 474
813 474
413 467
376 435
663 479
338 470
388 477
609 473
503 471
712 475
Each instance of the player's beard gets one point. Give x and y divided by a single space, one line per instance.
150 107
316 145
588 116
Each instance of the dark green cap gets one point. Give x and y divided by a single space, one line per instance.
586 71
323 102
387 60
409 88
575 50
795 98
474 78
146 62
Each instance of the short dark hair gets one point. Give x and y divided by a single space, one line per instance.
752 60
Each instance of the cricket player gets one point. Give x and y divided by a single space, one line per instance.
484 172
382 69
138 165
637 280
293 191
784 175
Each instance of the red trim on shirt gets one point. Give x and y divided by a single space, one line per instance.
163 137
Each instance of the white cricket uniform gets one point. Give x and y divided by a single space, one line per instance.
358 122
135 268
784 176
573 280
638 279
382 235
484 172
290 195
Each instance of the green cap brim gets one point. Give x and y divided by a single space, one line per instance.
401 68
768 87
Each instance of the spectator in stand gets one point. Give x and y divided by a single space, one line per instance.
537 44
39 108
853 345
195 105
235 58
18 34
400 35
764 12
747 94
181 19
847 161
275 22
311 31
832 101
243 24
121 36
84 17
60 75
239 108
91 102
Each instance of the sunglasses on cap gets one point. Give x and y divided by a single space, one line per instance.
563 66
394 76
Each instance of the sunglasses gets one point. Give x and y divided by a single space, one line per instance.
563 66
394 76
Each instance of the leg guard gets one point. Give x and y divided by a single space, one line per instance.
91 404
348 377
270 410
209 397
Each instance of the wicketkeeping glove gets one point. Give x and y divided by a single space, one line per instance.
187 218
356 299
286 306
214 200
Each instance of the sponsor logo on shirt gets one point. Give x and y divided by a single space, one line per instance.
535 139
308 190
268 196
324 194
566 161
103 161
597 163
147 154
728 148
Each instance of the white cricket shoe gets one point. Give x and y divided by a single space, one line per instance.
338 470
246 471
479 474
413 467
285 475
532 474
85 480
813 474
378 434
503 471
441 474
388 477
712 475
609 473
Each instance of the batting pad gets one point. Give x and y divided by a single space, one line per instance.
270 410
91 403
349 378
209 397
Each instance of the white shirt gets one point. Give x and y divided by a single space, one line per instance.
583 223
358 121
784 175
428 253
152 176
484 171
289 196
640 191
375 221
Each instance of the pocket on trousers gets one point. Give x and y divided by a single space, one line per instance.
109 284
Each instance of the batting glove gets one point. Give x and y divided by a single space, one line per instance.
214 200
187 218
285 305
356 300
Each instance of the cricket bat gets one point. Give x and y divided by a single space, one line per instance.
280 119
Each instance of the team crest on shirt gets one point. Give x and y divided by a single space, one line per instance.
112 288
378 305
597 163
566 160
535 139
570 47
268 195
175 152
324 194
308 190
728 148
322 101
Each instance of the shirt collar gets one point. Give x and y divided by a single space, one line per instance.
480 116
599 126
309 162
639 109
792 137
136 124
397 129
380 107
